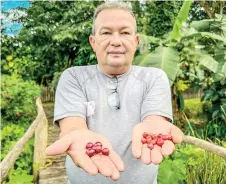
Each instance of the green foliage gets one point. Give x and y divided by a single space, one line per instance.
55 79
216 95
172 171
201 62
196 110
57 33
18 100
21 178
204 167
189 165
18 110
197 12
181 17
17 58
159 17
10 135
22 170
161 57
201 121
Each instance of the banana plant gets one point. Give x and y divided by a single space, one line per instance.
166 55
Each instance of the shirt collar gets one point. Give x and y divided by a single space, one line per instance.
119 77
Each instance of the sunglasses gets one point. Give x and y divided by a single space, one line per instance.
113 96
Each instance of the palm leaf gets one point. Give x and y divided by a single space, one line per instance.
165 58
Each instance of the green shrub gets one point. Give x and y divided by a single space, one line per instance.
196 110
22 170
192 165
18 100
18 110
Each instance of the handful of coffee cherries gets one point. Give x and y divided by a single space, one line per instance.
92 149
154 139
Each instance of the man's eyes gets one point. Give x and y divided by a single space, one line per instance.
108 33
125 33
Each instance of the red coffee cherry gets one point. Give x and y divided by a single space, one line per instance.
105 151
160 142
153 139
143 140
89 145
150 146
97 149
145 134
98 144
149 139
90 152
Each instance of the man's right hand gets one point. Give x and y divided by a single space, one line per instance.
74 143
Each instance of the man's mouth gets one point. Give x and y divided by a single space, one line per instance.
115 52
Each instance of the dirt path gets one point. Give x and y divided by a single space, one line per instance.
54 172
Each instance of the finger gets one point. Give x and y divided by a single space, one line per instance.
177 134
136 144
115 173
146 154
167 148
60 146
156 155
115 158
83 160
104 164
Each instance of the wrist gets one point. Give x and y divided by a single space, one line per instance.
70 124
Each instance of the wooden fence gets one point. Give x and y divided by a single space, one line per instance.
190 93
39 127
47 94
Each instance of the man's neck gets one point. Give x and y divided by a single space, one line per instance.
114 71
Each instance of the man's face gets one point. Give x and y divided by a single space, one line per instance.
115 40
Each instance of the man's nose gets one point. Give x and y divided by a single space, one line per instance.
115 40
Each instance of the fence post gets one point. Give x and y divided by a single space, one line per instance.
40 144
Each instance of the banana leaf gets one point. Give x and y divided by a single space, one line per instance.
165 58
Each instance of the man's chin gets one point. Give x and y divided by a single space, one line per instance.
116 63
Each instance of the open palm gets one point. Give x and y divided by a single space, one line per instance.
74 143
155 155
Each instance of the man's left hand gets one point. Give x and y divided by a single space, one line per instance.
155 125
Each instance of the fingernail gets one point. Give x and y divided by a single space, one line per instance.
137 154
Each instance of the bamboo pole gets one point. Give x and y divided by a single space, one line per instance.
210 147
12 156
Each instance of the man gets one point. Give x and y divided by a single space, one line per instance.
113 102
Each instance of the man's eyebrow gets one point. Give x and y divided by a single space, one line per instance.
124 27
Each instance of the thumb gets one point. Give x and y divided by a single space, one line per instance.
60 146
177 134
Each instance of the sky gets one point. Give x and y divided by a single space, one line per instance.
9 5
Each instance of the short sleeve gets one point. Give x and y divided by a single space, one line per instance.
157 100
69 99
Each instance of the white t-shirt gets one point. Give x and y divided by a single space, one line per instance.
112 106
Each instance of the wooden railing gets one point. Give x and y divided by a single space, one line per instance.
48 94
40 127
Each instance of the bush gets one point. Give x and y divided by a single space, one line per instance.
18 100
192 165
196 110
18 109
22 170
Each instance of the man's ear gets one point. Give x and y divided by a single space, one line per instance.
92 42
137 39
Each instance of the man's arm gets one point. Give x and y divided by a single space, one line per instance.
72 123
